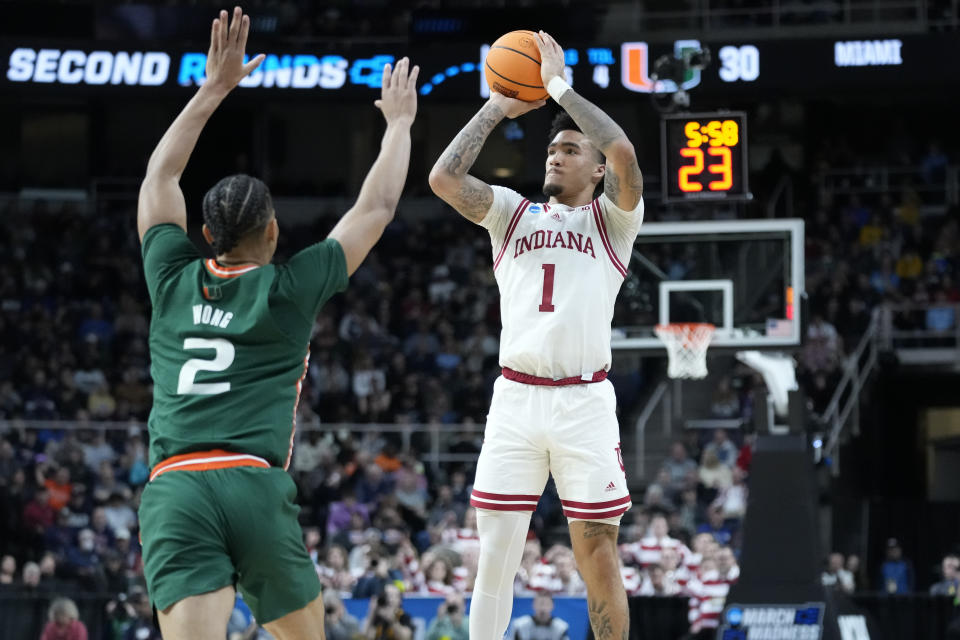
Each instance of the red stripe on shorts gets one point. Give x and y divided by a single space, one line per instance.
504 496
599 515
596 505
496 506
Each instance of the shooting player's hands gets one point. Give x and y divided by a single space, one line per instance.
398 95
512 107
228 42
551 57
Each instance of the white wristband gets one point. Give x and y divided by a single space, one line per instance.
557 87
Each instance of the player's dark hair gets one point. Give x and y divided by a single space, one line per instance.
563 122
235 206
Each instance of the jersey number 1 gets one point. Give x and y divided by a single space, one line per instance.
546 303
225 352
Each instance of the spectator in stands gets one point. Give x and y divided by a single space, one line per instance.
338 624
119 514
541 625
30 581
38 514
83 562
107 484
940 316
949 585
716 526
856 570
725 403
386 619
835 576
64 622
732 500
885 279
451 622
678 466
438 578
896 572
727 565
333 571
656 583
689 512
707 595
714 475
675 572
141 627
375 579
649 550
343 511
98 451
823 348
722 447
8 570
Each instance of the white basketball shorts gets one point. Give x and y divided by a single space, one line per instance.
570 431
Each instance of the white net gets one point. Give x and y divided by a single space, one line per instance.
686 348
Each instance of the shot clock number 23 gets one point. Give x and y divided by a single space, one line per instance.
704 156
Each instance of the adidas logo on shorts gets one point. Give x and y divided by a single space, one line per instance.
611 487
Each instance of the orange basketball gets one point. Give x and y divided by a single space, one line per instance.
513 67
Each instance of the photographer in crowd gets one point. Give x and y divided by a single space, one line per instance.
386 619
451 622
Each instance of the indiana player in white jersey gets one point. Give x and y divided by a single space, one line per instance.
559 265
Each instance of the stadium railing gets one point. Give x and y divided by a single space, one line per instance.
867 180
815 17
844 406
435 436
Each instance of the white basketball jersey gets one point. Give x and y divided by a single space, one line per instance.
559 270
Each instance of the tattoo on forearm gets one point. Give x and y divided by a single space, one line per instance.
612 186
596 529
474 199
603 131
461 153
596 125
600 620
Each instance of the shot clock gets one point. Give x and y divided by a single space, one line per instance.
704 156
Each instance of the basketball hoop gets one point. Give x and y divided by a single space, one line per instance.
686 344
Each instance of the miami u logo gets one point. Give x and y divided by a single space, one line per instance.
635 67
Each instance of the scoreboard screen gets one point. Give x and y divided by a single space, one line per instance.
704 156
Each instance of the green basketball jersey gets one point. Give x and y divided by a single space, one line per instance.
229 345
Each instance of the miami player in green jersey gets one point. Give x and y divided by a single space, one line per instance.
229 343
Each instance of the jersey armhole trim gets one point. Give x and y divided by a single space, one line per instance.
605 239
514 221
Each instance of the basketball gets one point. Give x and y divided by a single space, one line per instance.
513 67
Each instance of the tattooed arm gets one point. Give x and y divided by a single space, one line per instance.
449 179
622 181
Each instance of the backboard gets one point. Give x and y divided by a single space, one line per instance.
744 276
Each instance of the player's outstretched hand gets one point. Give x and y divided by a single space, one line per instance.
512 107
551 57
228 42
398 95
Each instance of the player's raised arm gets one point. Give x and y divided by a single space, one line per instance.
360 227
161 200
622 182
449 179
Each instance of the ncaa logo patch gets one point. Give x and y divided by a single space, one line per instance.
535 208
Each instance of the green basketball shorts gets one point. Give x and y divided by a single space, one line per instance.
202 530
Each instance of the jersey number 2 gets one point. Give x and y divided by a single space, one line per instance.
546 303
225 353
